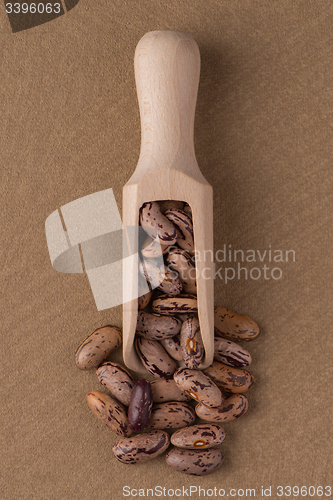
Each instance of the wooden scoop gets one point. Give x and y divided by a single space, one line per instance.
167 68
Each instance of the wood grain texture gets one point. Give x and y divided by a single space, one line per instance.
167 69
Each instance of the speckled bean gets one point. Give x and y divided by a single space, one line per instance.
183 303
97 346
234 326
168 204
156 327
172 415
167 390
199 386
152 249
198 436
144 300
228 378
232 354
184 227
171 284
154 358
191 343
117 379
142 447
188 210
110 412
180 261
195 462
154 222
172 347
140 405
185 316
234 407
160 277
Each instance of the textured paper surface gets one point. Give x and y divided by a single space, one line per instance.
263 135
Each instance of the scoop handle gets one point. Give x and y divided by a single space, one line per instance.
167 71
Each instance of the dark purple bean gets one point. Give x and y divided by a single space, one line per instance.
140 406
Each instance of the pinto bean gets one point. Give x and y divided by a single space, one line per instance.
228 378
172 347
232 354
198 436
199 386
117 379
184 317
159 277
234 326
156 327
142 447
183 303
152 248
144 300
154 358
167 390
188 210
191 343
172 415
195 462
181 261
110 412
184 227
154 222
234 407
97 346
167 204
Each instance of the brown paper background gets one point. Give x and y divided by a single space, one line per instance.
263 136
